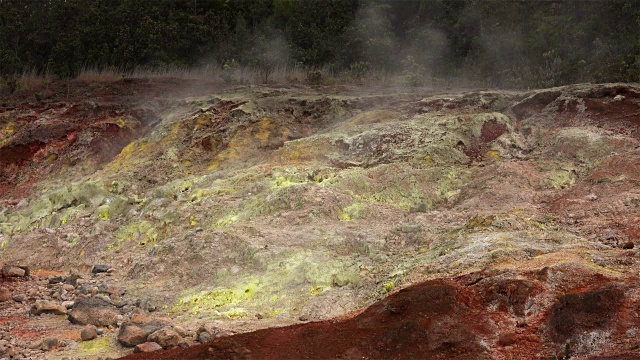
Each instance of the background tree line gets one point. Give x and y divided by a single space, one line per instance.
507 42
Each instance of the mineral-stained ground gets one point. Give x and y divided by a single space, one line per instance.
319 223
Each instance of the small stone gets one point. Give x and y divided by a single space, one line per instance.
48 307
165 320
104 298
303 318
114 290
205 337
131 334
100 269
120 303
507 339
147 347
72 280
100 331
628 245
138 318
180 330
22 204
19 298
165 337
68 287
93 311
207 333
49 344
14 271
68 304
56 280
150 306
89 332
5 294
67 296
421 208
411 228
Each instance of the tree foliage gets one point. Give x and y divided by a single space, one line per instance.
510 43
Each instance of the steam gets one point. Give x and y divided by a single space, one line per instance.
500 55
375 38
429 48
270 52
416 57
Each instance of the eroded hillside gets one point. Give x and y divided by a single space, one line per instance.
508 220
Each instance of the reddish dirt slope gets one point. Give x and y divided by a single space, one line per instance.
58 130
558 311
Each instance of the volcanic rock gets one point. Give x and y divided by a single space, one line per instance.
132 334
89 332
5 294
49 344
100 269
19 298
93 311
15 271
147 347
48 307
166 337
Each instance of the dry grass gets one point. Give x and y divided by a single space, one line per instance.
109 74
284 74
31 80
240 75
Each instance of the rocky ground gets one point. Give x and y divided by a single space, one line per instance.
53 315
382 223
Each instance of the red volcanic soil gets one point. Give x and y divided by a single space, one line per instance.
74 129
426 321
477 316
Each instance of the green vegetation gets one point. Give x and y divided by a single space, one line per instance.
499 42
